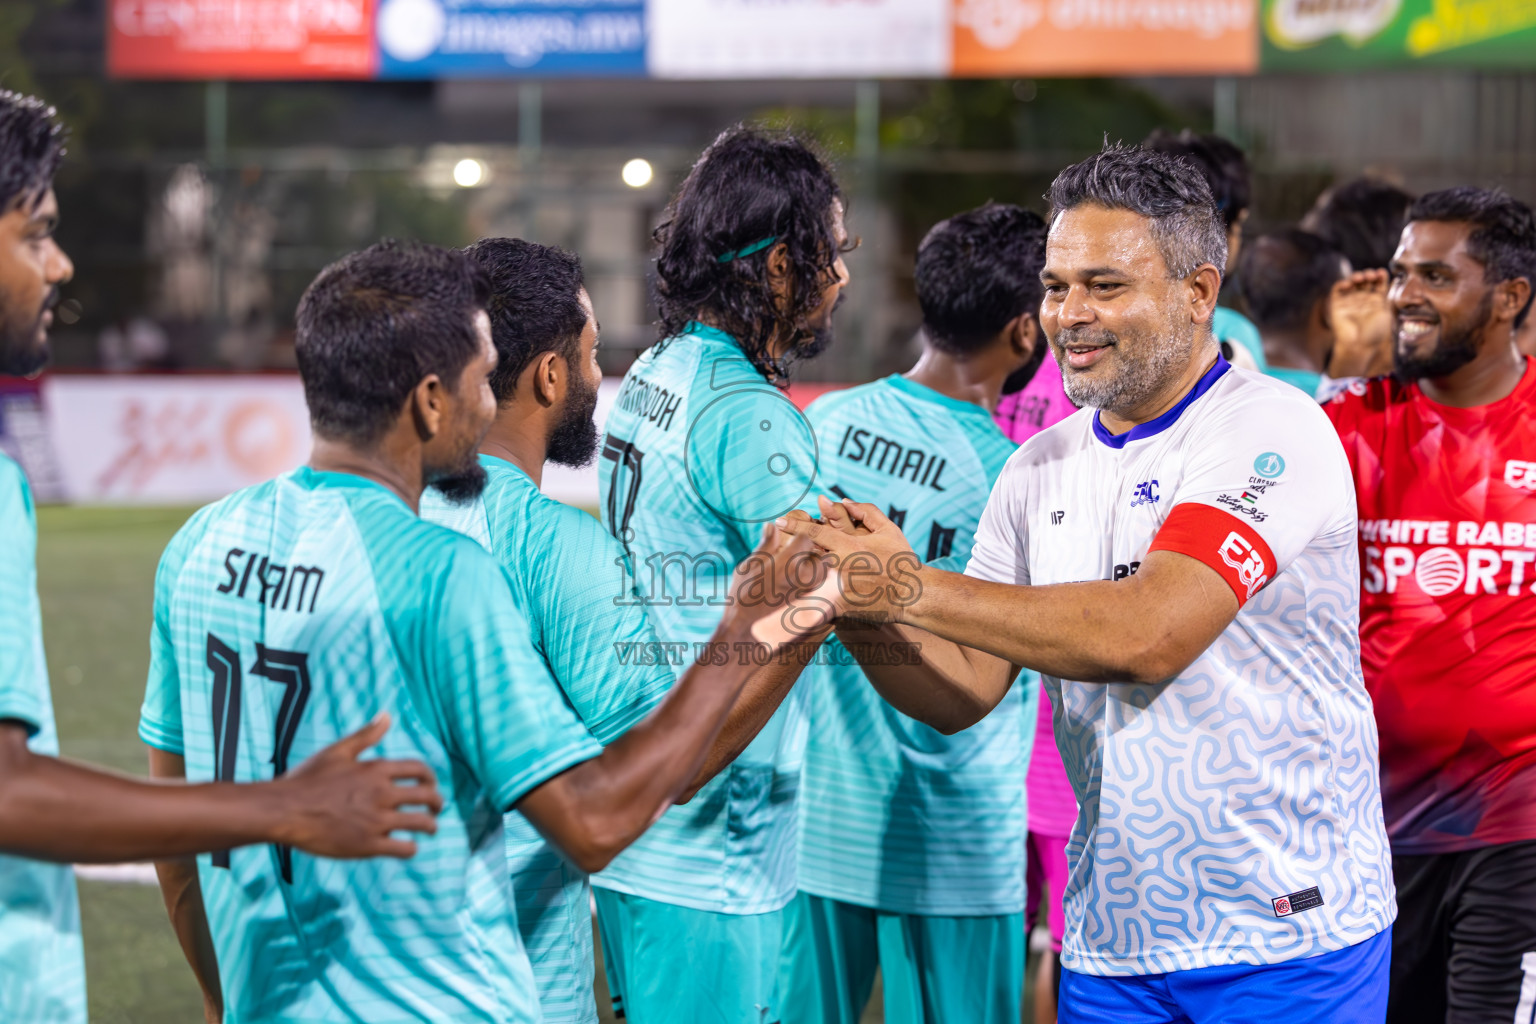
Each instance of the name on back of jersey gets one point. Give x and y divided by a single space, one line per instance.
254 576
1441 557
650 402
891 457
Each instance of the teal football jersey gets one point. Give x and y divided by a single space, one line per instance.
700 453
287 616
42 963
569 579
893 814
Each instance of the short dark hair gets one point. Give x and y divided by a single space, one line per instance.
977 271
1170 191
374 323
1282 275
535 305
1503 237
1363 219
31 148
750 186
1223 163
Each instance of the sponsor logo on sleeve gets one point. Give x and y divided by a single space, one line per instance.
1269 465
1520 474
1252 573
1296 902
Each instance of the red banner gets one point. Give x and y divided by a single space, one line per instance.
241 39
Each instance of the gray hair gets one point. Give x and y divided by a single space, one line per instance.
1168 190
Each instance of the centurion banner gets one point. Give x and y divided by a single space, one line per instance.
1330 35
721 39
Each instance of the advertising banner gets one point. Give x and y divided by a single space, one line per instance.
175 439
707 39
489 38
1350 35
994 38
265 39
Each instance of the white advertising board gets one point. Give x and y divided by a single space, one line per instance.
162 440
711 39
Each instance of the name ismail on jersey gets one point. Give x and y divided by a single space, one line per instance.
890 457
1491 558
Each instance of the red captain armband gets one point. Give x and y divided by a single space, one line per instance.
1222 541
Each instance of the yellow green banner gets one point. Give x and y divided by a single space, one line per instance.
1350 35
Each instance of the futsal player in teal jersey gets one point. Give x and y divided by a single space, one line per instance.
569 578
59 811
702 449
912 842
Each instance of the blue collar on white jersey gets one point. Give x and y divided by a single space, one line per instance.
1167 419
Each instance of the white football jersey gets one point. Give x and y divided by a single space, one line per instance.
1231 815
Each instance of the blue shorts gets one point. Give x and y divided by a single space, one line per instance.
1348 986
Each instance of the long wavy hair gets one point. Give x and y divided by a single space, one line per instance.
751 184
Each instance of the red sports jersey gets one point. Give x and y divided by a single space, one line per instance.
1448 608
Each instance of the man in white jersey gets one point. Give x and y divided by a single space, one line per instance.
1178 561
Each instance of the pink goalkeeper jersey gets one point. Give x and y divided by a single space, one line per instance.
1022 415
1038 405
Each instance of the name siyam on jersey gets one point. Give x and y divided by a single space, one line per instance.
276 586
888 456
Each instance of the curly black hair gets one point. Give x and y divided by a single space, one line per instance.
976 272
31 148
535 305
749 187
374 323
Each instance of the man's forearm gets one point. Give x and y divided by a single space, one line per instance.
1145 628
55 810
941 684
759 699
183 895
596 809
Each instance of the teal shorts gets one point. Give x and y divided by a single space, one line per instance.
668 964
935 970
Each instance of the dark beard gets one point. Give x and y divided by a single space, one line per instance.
1456 348
463 485
573 441
24 346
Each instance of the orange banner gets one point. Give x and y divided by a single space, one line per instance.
1105 37
240 39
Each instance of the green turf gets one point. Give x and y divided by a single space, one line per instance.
96 572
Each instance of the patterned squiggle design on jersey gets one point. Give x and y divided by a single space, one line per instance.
1214 779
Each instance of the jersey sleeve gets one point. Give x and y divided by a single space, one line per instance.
160 717
592 630
1269 479
506 717
752 457
1000 552
21 699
